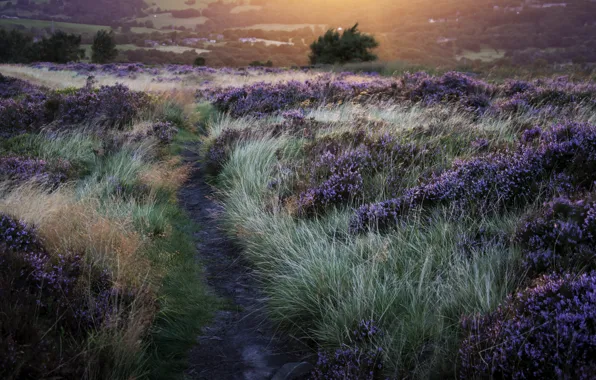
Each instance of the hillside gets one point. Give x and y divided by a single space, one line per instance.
237 32
173 221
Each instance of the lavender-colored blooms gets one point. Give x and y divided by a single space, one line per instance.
355 361
561 237
20 169
565 153
164 131
547 331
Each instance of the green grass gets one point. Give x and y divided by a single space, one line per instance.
166 19
486 54
64 26
414 281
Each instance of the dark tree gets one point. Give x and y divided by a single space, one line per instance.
59 48
350 46
103 49
199 61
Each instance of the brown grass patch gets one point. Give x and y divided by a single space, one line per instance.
168 175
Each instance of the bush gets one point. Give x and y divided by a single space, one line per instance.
350 46
199 61
104 47
544 332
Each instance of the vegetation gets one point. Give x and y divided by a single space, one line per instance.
417 227
16 47
104 47
350 46
97 258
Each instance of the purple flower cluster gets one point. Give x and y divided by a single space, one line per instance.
360 360
164 131
12 87
564 159
547 331
451 87
131 70
337 178
110 106
19 169
20 116
262 99
17 236
48 305
562 237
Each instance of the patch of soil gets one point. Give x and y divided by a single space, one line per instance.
241 342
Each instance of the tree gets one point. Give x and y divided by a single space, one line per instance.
350 46
103 49
199 61
59 48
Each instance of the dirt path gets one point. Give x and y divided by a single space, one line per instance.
240 343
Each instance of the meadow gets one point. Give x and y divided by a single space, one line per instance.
99 278
418 226
412 226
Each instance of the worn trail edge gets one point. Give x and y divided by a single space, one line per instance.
241 343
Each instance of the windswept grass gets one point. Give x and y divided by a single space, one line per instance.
415 281
117 213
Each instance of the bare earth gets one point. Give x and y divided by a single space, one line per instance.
241 343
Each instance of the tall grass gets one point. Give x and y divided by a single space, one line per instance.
119 211
414 281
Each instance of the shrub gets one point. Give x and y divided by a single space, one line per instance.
358 360
350 46
561 237
104 47
547 331
564 159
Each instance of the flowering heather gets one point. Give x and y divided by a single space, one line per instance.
17 236
451 87
547 331
19 169
261 99
354 362
110 106
164 131
339 178
565 153
12 87
20 116
36 288
562 237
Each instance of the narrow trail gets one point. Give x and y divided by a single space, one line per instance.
241 342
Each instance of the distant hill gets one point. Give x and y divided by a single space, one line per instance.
425 31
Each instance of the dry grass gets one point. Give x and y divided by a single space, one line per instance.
168 87
70 226
168 175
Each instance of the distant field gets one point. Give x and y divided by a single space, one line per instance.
180 4
485 54
246 8
166 19
282 27
65 26
172 49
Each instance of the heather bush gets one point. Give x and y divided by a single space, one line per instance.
358 360
109 107
561 237
33 340
19 169
545 331
563 160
